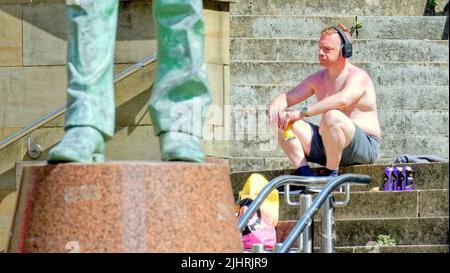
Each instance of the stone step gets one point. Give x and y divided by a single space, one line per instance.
291 73
359 232
393 144
369 205
275 164
429 27
395 114
428 176
370 51
376 248
333 7
392 249
284 26
410 97
309 27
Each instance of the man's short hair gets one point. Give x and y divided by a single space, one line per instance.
331 30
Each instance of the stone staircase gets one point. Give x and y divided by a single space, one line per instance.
417 220
273 47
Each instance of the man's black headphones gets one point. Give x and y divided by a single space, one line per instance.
346 47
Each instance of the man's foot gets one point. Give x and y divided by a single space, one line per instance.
328 172
301 171
80 144
176 146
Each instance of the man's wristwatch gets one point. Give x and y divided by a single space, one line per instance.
304 111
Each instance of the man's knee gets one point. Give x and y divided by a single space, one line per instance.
334 120
332 117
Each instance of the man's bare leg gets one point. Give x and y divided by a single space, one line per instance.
298 148
337 131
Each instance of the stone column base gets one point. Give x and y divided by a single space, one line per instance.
126 207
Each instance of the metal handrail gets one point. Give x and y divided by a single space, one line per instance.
317 203
275 183
61 110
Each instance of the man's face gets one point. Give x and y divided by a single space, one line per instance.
329 49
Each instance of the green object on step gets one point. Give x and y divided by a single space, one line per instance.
180 94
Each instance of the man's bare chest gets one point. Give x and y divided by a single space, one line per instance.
326 87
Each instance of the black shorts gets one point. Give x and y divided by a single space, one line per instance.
363 148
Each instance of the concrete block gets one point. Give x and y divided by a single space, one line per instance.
241 7
300 27
292 73
426 122
30 92
400 51
306 50
406 231
287 73
433 203
428 175
276 163
392 121
254 49
367 205
133 143
427 144
348 7
393 27
399 249
412 97
10 35
359 232
237 164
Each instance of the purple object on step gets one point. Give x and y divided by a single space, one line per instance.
408 183
388 179
399 174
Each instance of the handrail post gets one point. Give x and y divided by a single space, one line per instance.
328 234
305 243
323 196
275 183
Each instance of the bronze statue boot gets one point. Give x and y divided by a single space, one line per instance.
80 144
177 146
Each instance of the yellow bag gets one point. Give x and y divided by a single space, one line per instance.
261 227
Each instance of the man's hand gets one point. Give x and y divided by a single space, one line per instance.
276 111
290 117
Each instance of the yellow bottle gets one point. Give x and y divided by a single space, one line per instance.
289 134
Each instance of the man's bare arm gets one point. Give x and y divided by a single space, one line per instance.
298 94
351 93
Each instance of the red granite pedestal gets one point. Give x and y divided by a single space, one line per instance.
126 207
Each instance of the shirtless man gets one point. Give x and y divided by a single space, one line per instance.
348 132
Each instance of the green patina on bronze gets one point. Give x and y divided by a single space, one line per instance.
180 94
